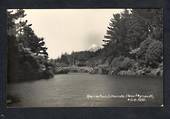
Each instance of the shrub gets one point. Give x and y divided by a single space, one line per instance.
116 62
143 48
122 63
154 53
127 63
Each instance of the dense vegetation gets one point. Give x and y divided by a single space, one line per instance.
27 54
133 44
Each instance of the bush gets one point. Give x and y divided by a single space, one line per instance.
154 53
61 71
47 74
116 62
122 63
143 48
127 63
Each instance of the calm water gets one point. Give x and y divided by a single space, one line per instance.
88 90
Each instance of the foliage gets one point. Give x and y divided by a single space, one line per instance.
140 30
28 59
122 63
154 54
143 48
116 41
76 58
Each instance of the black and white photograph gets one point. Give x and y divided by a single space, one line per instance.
85 58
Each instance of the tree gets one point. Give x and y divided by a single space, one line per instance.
28 59
138 30
152 43
136 34
13 62
145 22
116 34
31 40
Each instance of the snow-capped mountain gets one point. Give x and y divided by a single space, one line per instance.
94 47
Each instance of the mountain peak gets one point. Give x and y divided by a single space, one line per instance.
94 48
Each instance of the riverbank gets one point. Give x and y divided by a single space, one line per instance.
106 70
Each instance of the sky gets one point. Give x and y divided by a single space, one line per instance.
67 30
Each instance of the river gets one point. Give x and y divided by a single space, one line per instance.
89 90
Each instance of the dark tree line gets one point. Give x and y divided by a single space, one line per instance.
133 41
27 54
141 29
76 58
